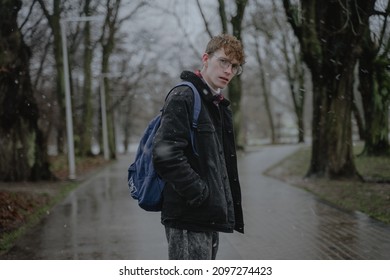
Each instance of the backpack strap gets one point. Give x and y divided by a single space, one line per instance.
195 117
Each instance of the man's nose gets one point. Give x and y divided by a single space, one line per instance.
229 69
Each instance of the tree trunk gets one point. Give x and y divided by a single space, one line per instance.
298 96
339 125
23 149
235 99
108 43
86 133
358 118
263 82
296 78
222 15
374 89
235 86
319 154
54 23
332 154
330 34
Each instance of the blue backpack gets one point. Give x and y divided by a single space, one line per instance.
144 183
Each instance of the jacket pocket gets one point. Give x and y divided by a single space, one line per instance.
205 128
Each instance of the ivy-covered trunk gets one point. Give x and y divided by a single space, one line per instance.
22 146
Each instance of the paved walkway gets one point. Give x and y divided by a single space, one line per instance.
100 221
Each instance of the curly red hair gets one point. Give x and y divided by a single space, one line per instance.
230 44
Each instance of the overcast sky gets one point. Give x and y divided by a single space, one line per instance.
163 30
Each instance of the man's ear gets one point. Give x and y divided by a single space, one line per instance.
205 59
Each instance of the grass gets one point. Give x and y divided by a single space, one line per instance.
35 215
24 205
371 197
373 168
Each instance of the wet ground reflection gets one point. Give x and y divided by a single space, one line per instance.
100 221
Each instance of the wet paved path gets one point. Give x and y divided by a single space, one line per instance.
100 221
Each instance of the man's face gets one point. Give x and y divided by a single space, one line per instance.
217 69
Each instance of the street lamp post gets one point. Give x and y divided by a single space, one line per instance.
104 116
68 101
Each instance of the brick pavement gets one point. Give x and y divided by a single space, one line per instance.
284 222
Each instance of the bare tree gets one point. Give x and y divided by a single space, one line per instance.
264 86
108 38
294 70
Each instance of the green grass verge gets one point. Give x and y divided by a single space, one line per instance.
371 197
8 239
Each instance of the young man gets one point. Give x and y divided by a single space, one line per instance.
202 195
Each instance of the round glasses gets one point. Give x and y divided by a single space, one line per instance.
225 63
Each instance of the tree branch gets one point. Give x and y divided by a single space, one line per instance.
133 12
28 15
206 24
292 17
222 14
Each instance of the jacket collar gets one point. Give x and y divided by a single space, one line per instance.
202 87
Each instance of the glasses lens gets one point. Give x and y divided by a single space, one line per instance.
237 70
224 63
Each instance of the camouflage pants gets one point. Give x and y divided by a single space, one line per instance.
191 245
